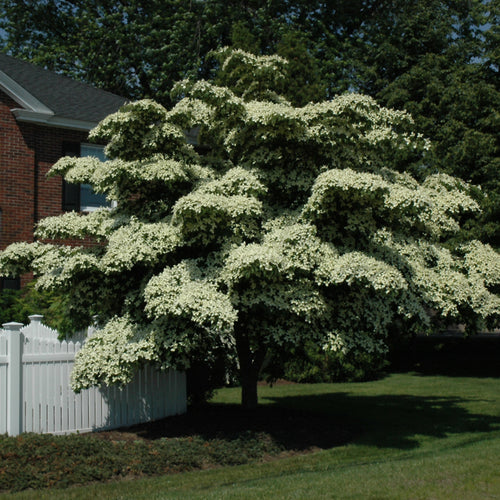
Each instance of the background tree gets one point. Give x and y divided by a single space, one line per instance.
434 60
297 225
305 83
130 48
437 59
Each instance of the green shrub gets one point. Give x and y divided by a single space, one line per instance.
311 364
46 461
8 306
18 305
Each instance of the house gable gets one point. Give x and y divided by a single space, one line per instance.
47 98
40 114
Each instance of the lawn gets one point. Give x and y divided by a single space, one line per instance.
413 436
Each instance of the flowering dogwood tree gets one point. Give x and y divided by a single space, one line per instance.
288 225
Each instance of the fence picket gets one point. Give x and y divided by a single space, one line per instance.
47 403
3 380
51 402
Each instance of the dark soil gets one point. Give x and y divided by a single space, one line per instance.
294 431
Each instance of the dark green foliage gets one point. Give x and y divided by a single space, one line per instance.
305 83
8 300
242 38
17 305
45 461
126 48
311 364
452 355
206 437
203 377
210 436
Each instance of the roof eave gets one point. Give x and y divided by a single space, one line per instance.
34 111
21 95
51 120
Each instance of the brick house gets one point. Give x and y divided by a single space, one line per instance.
43 116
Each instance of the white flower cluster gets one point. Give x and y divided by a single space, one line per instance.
174 293
218 101
482 260
358 267
236 181
431 206
113 354
60 266
253 261
57 266
98 224
296 224
442 280
140 129
202 216
239 57
189 112
17 258
139 242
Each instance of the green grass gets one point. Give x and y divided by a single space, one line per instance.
419 437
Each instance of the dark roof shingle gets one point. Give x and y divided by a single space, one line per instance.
67 98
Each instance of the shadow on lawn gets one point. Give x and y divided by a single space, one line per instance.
303 423
395 421
290 429
306 423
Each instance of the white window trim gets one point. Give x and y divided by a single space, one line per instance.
100 149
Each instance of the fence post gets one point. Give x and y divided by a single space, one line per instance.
36 322
14 378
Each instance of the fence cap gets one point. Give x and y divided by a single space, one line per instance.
12 326
36 317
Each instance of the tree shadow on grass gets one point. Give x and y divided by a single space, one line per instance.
322 421
289 429
395 421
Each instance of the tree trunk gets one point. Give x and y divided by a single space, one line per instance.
249 398
250 365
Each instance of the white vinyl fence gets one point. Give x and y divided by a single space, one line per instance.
35 395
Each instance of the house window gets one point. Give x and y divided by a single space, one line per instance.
10 284
89 200
81 197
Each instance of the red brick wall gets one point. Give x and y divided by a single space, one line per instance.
16 179
27 151
47 143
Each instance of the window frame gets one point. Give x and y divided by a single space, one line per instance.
99 149
72 193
